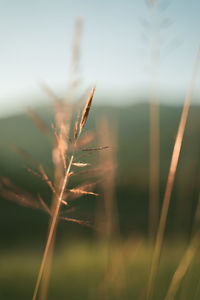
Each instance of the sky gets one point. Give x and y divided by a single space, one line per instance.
116 46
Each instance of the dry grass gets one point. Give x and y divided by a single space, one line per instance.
66 154
187 257
154 168
154 136
107 222
60 195
62 118
170 181
52 228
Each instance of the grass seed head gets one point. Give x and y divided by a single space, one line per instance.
86 111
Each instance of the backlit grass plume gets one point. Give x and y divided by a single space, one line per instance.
68 151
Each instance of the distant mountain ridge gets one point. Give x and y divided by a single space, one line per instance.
132 124
132 175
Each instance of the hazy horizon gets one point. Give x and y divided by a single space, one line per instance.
115 55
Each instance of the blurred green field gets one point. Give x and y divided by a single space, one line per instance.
84 267
80 271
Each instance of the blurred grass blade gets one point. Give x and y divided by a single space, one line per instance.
170 181
183 267
52 229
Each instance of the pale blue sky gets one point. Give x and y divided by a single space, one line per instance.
35 44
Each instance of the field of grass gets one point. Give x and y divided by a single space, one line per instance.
80 271
91 269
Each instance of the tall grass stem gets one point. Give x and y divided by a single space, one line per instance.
170 181
52 228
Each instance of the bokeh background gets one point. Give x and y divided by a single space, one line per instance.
140 56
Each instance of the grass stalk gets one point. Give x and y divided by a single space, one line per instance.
59 199
185 261
154 169
154 139
64 131
170 181
52 228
